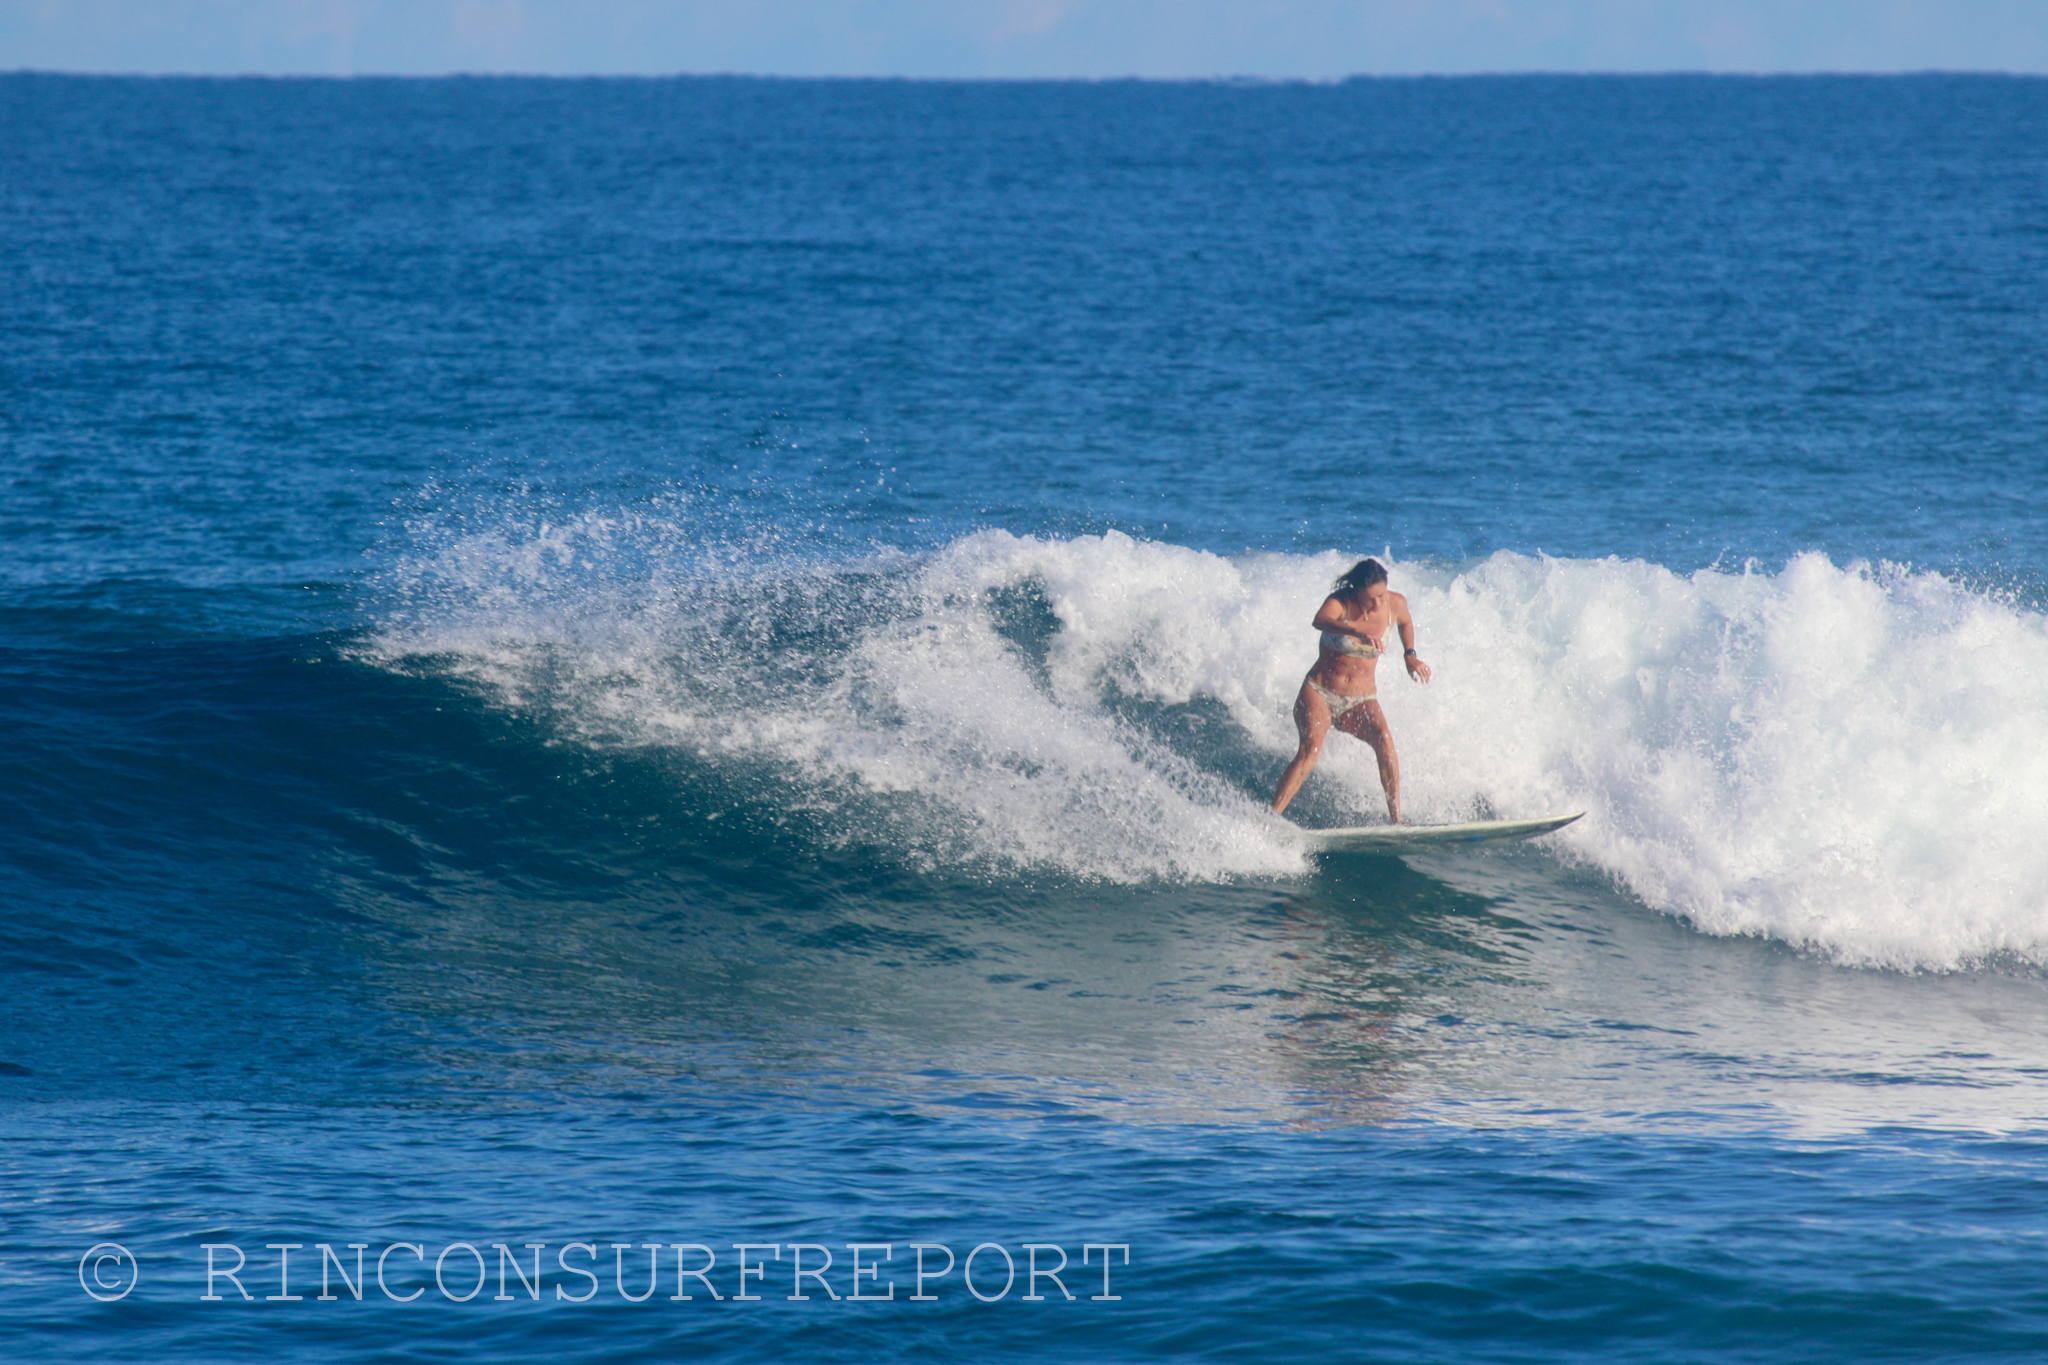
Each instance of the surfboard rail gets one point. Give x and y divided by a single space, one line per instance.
1417 838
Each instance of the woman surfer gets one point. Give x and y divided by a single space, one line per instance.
1339 690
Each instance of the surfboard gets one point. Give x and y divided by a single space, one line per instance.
1422 838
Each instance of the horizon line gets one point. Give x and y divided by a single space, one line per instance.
1696 73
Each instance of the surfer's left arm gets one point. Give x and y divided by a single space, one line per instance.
1405 623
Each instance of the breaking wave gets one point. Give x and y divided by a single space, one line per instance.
1850 759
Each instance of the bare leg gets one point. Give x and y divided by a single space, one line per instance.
1369 723
1312 723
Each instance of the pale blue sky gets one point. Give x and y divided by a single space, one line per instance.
1164 38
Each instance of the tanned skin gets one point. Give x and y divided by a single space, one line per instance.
1367 613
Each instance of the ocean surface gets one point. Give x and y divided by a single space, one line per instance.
608 679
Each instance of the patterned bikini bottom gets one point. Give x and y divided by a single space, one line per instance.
1337 701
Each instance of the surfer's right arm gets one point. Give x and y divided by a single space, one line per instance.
1331 618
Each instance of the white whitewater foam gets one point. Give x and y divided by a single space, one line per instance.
1849 759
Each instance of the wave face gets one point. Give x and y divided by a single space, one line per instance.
1852 760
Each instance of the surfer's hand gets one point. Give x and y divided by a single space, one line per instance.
1417 669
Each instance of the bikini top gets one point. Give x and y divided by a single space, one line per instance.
1352 645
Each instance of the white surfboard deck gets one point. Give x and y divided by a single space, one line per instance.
1422 838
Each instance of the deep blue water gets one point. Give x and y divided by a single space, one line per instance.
695 662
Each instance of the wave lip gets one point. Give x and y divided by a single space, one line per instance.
1849 759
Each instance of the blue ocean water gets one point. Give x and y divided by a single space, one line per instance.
599 672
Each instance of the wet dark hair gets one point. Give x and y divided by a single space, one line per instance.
1363 574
